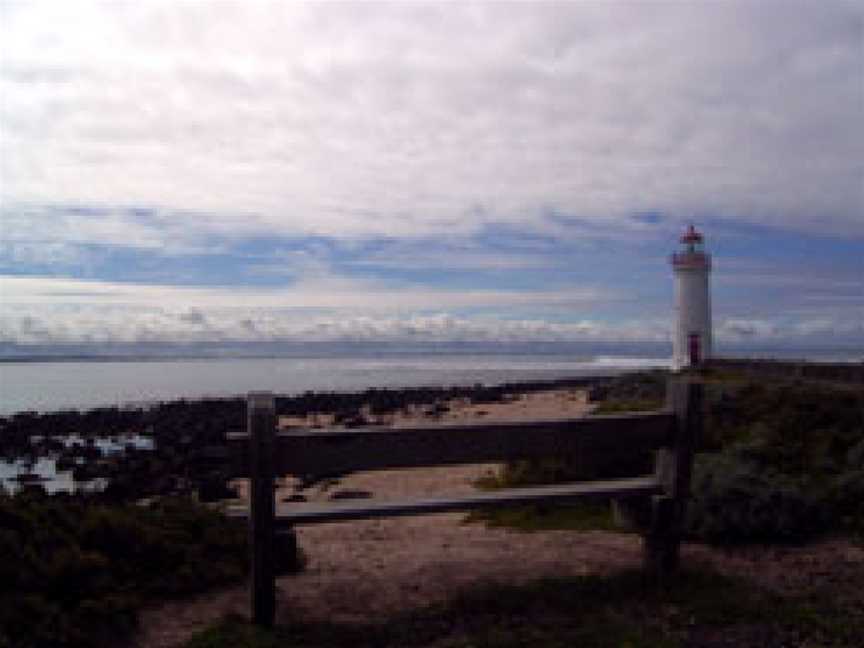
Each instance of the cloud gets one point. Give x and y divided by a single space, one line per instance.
157 325
428 256
268 171
29 227
323 292
346 121
743 329
824 331
111 325
60 311
46 311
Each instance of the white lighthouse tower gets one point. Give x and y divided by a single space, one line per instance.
692 338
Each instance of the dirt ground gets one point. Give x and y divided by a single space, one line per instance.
374 568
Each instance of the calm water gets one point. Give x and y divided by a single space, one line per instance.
54 480
47 386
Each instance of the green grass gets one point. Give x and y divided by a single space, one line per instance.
581 516
233 631
620 611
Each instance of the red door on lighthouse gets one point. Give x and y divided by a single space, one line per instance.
694 349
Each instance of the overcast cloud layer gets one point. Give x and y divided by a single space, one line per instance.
449 170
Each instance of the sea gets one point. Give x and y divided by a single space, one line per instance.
45 386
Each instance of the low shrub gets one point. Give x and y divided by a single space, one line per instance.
639 386
74 573
628 405
788 463
736 500
845 498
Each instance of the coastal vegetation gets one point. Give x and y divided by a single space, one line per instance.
75 572
781 460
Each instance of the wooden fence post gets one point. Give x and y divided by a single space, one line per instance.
262 425
674 469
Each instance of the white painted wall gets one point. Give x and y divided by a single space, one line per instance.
692 311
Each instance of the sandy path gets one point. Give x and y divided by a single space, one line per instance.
367 569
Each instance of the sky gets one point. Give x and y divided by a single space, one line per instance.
217 172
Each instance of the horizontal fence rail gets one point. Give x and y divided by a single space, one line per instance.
300 452
288 515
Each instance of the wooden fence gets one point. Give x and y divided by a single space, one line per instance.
267 453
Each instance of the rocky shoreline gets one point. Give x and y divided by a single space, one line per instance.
186 438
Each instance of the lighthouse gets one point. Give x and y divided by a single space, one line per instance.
691 342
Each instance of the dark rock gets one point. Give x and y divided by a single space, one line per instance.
296 497
213 490
350 493
28 478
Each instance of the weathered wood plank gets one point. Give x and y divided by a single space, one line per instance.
337 451
673 469
660 547
689 396
314 513
262 423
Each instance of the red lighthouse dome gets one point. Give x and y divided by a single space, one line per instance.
692 255
691 236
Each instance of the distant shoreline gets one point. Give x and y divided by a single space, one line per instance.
840 355
127 382
520 386
51 385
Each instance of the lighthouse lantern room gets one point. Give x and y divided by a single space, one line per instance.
691 342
